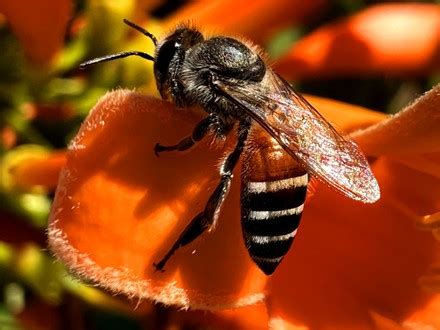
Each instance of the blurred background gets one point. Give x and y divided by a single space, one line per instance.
44 97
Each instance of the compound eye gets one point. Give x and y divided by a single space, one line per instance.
164 56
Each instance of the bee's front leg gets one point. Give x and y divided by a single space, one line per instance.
207 219
199 132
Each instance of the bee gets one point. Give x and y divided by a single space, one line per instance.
281 139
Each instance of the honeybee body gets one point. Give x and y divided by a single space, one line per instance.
229 79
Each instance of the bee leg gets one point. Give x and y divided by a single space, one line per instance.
207 219
198 133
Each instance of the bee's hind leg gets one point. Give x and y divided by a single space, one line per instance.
207 219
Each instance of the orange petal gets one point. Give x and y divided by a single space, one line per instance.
431 221
248 317
425 317
40 171
40 25
386 38
344 116
119 208
254 19
384 323
8 137
351 261
414 130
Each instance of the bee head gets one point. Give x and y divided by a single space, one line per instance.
169 56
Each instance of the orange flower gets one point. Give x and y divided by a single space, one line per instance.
39 25
246 18
387 38
118 208
38 170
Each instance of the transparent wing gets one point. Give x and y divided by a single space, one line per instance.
305 135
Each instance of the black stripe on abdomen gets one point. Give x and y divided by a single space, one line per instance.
279 200
271 212
272 223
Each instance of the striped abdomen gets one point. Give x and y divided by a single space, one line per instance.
273 192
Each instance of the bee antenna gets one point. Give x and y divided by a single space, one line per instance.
124 54
141 30
116 56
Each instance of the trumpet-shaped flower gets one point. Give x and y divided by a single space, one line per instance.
118 207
